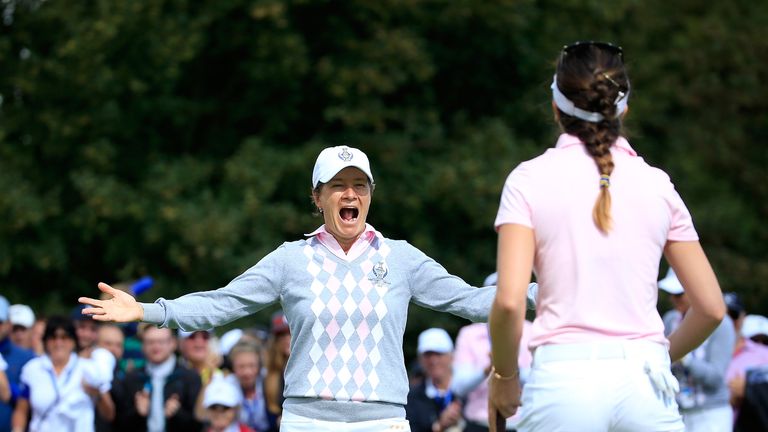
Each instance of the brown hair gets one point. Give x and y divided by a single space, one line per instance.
591 77
273 381
245 346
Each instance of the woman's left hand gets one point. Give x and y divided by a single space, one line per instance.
121 307
503 398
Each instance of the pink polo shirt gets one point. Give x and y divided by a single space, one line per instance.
595 287
473 348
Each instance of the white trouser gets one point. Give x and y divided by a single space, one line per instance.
295 423
719 419
618 386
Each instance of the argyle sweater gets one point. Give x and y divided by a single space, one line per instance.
346 318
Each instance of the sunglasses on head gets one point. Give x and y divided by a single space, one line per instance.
581 46
200 334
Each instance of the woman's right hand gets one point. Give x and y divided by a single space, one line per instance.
503 399
122 307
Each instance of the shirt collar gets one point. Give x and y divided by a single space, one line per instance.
433 392
358 247
566 140
48 364
368 233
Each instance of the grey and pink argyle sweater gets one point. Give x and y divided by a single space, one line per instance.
347 320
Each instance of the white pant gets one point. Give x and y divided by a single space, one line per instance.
718 419
599 387
295 423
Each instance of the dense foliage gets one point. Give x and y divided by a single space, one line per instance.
176 138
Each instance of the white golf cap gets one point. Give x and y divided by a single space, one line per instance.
21 314
670 283
435 340
221 392
754 325
334 159
229 339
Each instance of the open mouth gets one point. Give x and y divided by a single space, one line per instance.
349 214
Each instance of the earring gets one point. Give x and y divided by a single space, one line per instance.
320 209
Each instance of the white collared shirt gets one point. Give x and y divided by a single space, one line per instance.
59 402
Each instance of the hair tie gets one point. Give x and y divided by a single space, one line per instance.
605 180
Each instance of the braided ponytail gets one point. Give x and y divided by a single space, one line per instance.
593 82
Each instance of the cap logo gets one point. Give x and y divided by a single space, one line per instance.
345 155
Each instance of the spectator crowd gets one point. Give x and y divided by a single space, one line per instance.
71 373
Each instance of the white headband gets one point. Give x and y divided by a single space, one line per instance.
569 108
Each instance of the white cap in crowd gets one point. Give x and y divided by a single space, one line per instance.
435 340
334 159
670 283
229 339
221 392
21 314
754 325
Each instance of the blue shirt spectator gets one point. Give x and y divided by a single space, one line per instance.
16 357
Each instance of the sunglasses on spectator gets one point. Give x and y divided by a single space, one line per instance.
200 334
59 336
219 407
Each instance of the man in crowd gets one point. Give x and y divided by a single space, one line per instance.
111 338
22 319
15 357
162 395
747 375
747 354
432 405
704 397
87 330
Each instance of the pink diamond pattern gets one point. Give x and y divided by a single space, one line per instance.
348 306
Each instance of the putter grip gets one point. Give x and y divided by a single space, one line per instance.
501 422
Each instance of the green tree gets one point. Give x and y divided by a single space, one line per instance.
176 138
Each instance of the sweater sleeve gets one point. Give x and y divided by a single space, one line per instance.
434 288
710 370
257 288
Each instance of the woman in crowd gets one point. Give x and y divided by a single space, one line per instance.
593 220
345 291
278 351
246 376
61 389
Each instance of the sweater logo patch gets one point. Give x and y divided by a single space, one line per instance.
380 271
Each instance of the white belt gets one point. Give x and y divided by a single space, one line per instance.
639 350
